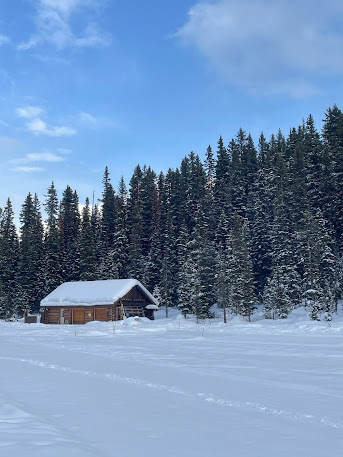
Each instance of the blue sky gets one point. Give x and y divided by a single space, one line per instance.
90 83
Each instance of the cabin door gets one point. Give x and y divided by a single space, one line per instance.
62 317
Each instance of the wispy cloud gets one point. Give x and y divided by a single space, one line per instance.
52 59
28 112
4 39
53 22
39 127
6 79
95 122
32 157
266 45
64 151
28 169
45 157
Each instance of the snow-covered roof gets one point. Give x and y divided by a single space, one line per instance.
91 293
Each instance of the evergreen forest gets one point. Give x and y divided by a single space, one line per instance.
251 224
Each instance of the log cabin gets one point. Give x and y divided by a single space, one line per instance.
85 301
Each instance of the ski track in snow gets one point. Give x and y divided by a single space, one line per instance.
200 396
199 369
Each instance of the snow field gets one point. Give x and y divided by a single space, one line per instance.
142 388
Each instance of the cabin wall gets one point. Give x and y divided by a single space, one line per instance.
79 315
89 315
136 296
52 316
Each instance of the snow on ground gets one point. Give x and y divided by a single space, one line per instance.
172 388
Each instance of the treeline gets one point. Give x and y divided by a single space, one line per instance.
248 225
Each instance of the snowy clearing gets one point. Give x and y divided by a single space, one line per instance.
161 389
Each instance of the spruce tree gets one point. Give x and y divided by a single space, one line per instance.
313 152
30 271
222 188
147 207
242 299
186 268
333 167
108 226
9 250
285 260
320 267
52 245
69 222
277 301
223 280
87 249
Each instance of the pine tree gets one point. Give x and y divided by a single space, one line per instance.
186 267
69 222
285 262
297 175
333 168
147 207
223 280
52 246
9 247
242 299
30 271
167 280
108 227
313 152
320 267
153 265
277 301
96 235
210 167
209 200
260 215
222 188
135 260
222 277
87 251
200 269
119 251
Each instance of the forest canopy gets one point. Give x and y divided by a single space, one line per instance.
251 224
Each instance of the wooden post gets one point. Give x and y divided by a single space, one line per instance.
122 310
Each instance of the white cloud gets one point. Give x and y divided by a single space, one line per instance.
54 25
29 112
268 45
45 157
4 39
28 169
88 120
39 127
